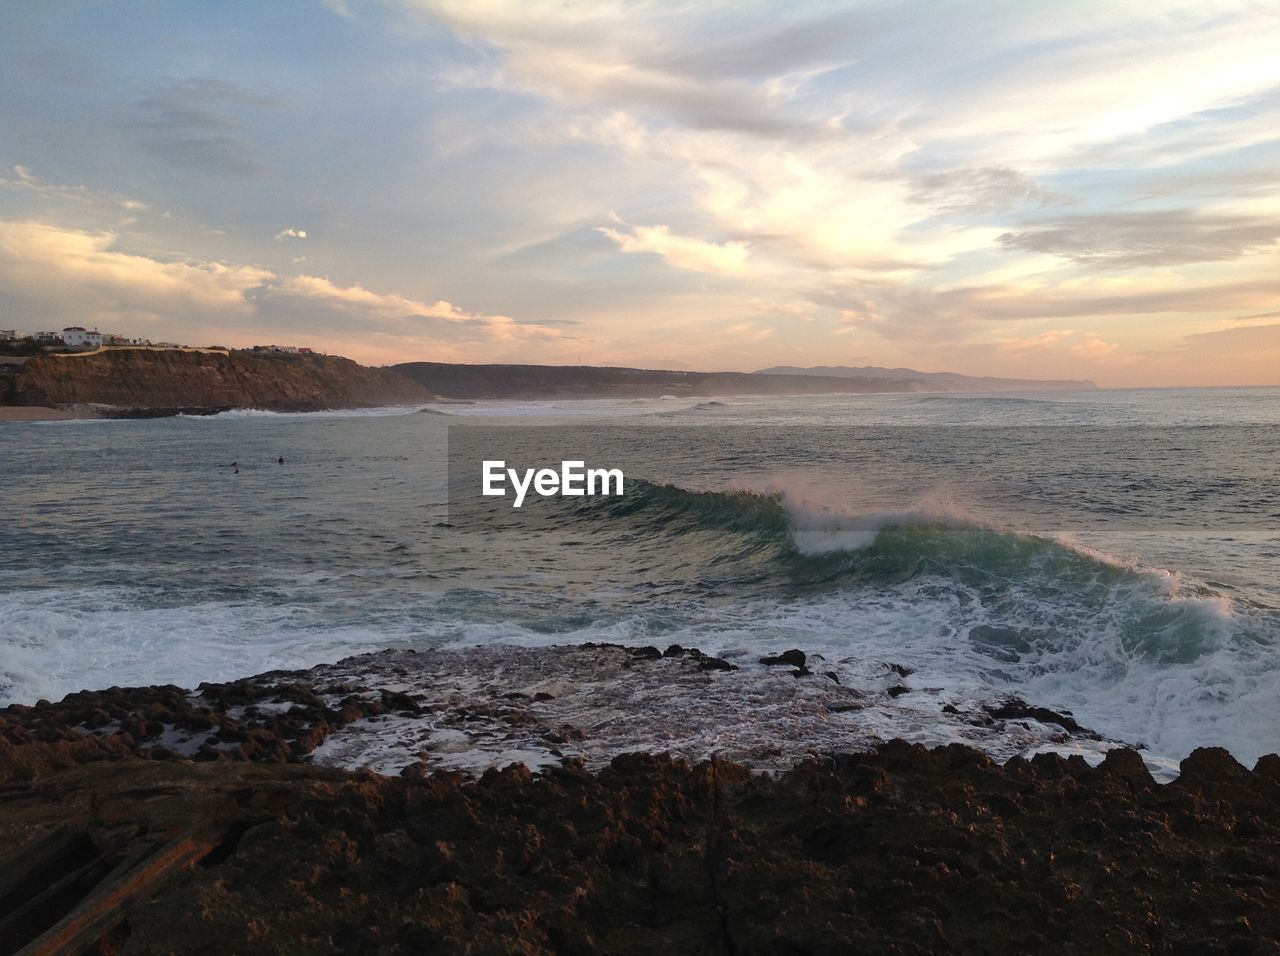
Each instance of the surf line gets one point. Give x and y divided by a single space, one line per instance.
574 479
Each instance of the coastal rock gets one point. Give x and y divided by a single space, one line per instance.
1017 709
1211 765
901 849
1127 764
479 708
705 661
265 722
791 658
228 809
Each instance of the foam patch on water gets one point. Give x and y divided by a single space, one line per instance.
58 642
382 411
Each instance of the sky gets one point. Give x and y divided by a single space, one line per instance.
996 187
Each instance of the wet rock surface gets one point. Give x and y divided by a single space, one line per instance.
901 850
269 722
1016 708
405 712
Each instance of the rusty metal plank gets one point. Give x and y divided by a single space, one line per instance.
107 906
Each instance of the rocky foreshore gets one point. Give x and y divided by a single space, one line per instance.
482 708
227 819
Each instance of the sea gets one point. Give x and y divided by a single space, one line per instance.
1111 553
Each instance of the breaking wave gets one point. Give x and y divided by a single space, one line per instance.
1144 653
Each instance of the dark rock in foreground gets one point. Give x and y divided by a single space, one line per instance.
900 850
158 819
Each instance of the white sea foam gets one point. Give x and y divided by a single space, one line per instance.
821 525
382 411
57 642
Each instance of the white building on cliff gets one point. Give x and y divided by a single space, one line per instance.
77 337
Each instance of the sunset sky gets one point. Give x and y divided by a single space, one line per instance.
1058 189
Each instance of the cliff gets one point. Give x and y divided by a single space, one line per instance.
173 379
585 381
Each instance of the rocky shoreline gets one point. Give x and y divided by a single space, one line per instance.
229 819
75 412
482 708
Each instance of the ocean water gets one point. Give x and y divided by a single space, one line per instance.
1111 553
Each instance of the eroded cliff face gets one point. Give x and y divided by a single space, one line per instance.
154 379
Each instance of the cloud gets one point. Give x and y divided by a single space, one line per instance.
1117 240
926 315
26 181
326 291
70 274
864 163
634 57
441 321
192 123
51 275
682 252
1238 340
1058 345
340 7
1093 346
1248 354
741 332
1230 125
986 189
901 175
804 133
796 309
1036 342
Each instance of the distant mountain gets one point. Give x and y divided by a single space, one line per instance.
943 381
